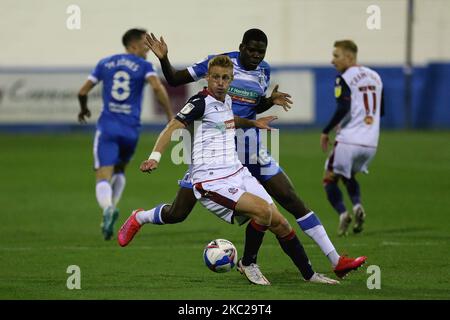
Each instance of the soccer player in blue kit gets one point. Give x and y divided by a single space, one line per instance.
118 127
248 93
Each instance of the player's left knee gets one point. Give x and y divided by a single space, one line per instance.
280 226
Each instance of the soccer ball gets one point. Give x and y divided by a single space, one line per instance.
220 255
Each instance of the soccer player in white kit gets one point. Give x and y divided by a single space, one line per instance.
358 92
221 183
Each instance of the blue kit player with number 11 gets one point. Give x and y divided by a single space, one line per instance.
124 76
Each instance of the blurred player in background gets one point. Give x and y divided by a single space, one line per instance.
248 93
221 183
359 97
124 76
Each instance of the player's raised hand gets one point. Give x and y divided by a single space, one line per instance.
84 113
281 98
324 142
159 47
263 122
148 165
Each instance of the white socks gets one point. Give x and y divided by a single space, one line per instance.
312 226
108 193
151 216
103 192
333 257
118 182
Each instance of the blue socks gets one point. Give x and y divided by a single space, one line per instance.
334 195
353 190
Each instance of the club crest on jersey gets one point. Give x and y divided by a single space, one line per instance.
262 77
232 190
368 120
187 108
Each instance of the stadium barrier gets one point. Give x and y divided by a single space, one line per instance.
45 99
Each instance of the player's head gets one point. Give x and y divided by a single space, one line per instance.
344 54
134 41
219 76
252 48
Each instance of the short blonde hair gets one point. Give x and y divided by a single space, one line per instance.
220 61
348 45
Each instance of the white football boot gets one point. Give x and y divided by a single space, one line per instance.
344 222
252 273
320 278
360 216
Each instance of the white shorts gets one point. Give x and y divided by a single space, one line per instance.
220 196
348 159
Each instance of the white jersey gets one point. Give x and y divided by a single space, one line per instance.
213 148
361 126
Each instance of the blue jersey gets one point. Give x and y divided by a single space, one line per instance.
123 77
247 88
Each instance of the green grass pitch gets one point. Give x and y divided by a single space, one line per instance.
50 220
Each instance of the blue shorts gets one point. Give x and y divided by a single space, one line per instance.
114 147
264 171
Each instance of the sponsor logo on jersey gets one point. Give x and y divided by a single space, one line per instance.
119 108
243 95
229 124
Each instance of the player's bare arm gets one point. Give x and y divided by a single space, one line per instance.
161 144
324 141
159 48
261 123
276 98
162 96
82 99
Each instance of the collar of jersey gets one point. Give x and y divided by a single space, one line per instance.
207 93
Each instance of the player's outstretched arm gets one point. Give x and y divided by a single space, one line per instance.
276 98
82 99
161 95
159 47
161 144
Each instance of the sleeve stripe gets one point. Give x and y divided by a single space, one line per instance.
181 120
192 73
151 73
92 78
